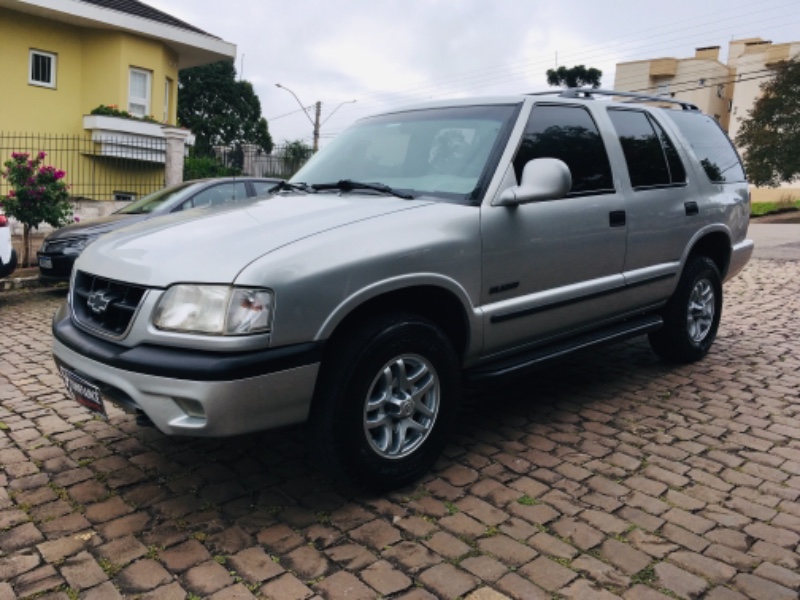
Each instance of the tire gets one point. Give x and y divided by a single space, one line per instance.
692 314
385 403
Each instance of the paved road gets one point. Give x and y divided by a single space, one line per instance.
609 475
776 241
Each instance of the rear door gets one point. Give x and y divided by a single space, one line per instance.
663 209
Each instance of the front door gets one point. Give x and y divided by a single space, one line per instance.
553 267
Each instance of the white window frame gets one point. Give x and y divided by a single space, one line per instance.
167 86
53 64
148 86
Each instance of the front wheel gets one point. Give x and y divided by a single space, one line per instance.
385 401
691 317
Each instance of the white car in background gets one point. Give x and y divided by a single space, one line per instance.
8 256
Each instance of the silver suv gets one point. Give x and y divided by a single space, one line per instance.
446 243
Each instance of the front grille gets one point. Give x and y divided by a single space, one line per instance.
104 305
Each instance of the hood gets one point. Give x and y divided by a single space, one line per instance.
214 245
94 226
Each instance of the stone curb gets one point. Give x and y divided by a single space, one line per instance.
22 283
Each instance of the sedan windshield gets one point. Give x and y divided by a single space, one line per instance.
443 152
153 201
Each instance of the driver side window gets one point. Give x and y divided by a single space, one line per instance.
568 133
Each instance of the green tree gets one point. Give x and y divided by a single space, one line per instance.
38 195
219 110
578 76
770 135
295 154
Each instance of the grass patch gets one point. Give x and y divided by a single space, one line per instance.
528 501
646 576
764 208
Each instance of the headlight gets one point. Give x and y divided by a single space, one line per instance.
77 245
214 310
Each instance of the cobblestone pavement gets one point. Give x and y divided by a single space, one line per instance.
609 475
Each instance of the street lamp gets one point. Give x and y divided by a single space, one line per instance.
315 121
317 111
335 109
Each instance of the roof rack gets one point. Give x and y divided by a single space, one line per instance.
589 92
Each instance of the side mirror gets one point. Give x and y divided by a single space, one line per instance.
542 179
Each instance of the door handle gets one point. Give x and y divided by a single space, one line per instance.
616 218
691 208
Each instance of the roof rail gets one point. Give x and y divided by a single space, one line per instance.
589 92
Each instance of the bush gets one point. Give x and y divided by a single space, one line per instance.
201 167
38 194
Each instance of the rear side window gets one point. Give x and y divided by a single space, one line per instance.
650 155
570 134
712 147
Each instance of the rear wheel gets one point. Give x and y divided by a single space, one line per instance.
385 401
691 317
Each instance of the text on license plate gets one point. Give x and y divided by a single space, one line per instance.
45 262
84 392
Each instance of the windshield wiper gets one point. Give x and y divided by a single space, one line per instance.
348 185
285 185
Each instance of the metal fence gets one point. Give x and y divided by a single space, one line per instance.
100 168
106 167
284 160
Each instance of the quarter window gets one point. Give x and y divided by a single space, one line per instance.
263 187
569 134
139 92
42 69
712 147
650 155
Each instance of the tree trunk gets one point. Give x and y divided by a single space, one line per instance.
26 245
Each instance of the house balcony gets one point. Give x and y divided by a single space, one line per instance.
130 138
663 67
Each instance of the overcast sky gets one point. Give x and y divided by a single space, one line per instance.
389 53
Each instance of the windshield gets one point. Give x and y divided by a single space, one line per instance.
444 152
152 201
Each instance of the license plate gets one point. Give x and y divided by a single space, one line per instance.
85 393
45 262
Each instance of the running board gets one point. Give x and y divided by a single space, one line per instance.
525 360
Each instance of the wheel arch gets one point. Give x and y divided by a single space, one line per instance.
716 245
441 305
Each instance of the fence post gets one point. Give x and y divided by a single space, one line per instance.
174 151
249 160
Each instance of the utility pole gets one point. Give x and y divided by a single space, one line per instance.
317 114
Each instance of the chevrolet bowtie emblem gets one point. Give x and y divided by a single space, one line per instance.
99 301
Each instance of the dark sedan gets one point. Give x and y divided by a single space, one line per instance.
62 247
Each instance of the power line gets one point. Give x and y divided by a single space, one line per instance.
481 78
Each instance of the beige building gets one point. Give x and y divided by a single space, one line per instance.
725 90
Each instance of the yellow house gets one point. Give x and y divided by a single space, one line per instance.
725 90
60 60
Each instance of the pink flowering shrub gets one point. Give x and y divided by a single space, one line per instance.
38 195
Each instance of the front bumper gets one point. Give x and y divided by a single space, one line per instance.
193 392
